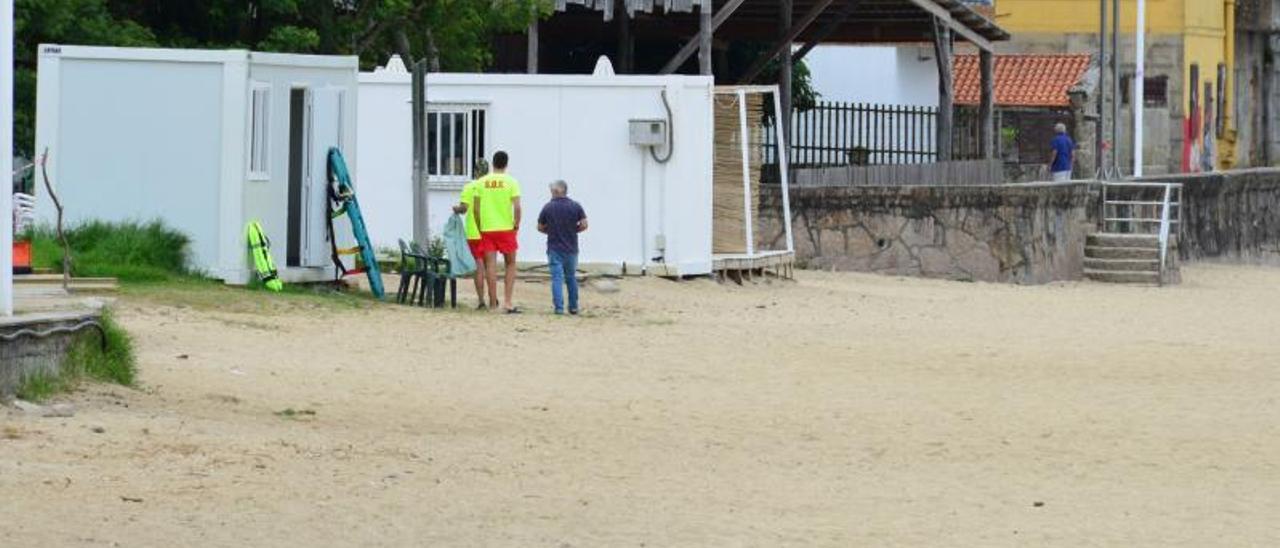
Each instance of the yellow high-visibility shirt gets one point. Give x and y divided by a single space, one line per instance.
496 192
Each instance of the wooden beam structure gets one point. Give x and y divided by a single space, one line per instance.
944 16
705 29
826 30
784 68
682 25
787 39
986 105
689 47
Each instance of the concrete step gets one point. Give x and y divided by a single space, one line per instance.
1105 239
1104 252
1122 265
1122 277
76 284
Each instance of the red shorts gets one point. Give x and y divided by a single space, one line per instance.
502 241
477 248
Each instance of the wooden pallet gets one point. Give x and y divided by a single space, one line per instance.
742 267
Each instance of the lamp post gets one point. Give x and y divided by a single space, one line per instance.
1139 84
1100 129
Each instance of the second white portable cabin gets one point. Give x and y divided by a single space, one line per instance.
203 140
650 207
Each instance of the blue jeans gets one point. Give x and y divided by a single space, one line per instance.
564 269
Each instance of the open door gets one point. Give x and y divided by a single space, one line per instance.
325 116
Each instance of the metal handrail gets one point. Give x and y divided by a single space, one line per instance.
1164 231
1171 197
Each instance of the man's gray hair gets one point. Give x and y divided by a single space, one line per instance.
1059 127
559 186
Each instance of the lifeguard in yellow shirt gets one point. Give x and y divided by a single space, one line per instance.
497 205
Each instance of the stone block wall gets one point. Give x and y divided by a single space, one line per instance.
1027 234
1230 216
27 356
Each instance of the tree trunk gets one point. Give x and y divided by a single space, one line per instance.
403 47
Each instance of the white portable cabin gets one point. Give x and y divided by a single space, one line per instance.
644 214
203 140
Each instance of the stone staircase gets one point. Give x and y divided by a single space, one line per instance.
1128 258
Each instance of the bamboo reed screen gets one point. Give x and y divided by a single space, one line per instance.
728 210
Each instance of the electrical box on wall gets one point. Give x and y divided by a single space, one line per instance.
648 132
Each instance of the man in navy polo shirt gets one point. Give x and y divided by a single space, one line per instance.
561 220
1062 154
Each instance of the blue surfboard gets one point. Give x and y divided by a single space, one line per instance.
342 200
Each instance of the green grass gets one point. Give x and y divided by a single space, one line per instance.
86 359
150 261
128 251
39 387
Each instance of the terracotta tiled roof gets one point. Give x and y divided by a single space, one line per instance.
1022 80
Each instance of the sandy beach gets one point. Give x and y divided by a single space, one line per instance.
836 410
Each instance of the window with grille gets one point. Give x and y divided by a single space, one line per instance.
1154 91
259 129
456 136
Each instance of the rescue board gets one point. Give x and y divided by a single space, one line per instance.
260 249
342 201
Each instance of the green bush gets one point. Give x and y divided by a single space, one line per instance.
129 251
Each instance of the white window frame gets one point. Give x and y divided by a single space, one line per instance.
436 180
259 132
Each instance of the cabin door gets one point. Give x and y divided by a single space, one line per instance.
314 125
325 114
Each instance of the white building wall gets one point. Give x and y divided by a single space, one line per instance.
143 134
558 127
137 140
895 75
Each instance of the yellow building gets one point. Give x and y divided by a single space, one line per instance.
1187 41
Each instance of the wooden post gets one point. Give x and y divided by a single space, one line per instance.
626 42
986 138
784 63
532 60
946 94
418 95
704 38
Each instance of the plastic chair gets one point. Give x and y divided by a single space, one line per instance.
436 273
413 268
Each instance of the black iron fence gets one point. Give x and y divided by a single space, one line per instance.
862 134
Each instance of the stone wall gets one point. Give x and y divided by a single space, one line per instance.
26 356
1230 215
1030 234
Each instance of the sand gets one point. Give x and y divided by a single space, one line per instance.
838 410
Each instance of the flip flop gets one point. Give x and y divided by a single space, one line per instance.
514 310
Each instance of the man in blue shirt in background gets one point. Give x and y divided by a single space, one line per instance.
561 220
1062 155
